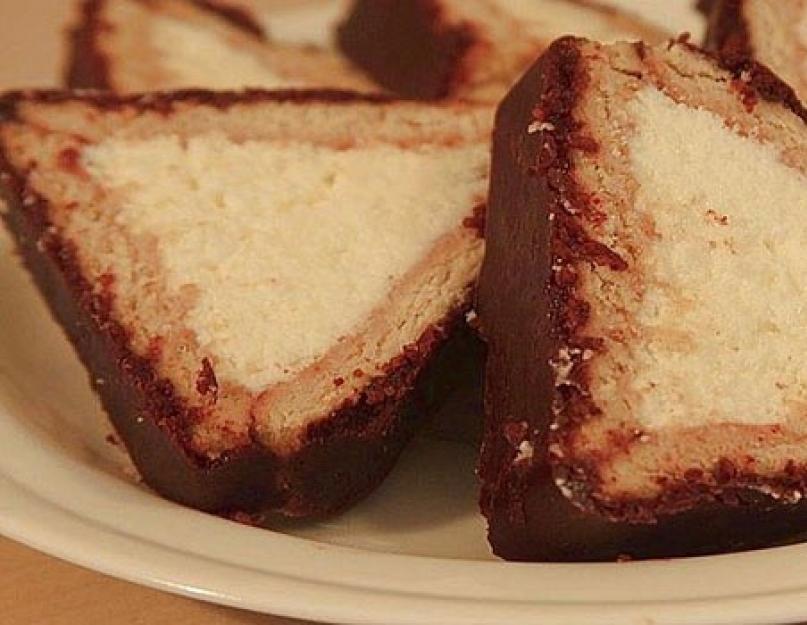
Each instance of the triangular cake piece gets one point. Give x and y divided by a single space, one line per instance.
772 32
131 46
642 298
257 283
471 49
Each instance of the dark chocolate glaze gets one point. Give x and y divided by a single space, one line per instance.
528 311
87 66
407 47
705 6
454 409
342 456
727 32
166 103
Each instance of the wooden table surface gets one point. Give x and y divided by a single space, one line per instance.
39 590
36 589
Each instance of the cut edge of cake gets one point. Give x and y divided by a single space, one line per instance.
316 465
548 490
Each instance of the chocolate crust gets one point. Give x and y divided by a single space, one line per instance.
166 103
727 33
528 311
408 47
87 66
340 458
705 6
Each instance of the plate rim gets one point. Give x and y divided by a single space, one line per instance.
44 524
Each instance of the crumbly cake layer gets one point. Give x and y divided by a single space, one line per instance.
126 245
699 366
133 46
663 263
471 49
235 237
680 257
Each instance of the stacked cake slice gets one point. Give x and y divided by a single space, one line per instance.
642 298
257 283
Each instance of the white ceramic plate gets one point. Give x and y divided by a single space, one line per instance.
414 552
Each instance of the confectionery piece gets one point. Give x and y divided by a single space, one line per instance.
641 298
258 283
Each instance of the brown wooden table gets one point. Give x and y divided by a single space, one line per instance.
38 590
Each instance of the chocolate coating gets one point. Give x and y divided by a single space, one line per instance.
727 32
527 312
406 47
341 457
87 67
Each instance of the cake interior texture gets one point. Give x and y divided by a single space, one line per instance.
287 253
718 250
270 262
691 351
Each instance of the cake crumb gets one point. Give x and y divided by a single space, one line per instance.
516 432
539 126
206 382
563 487
525 452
